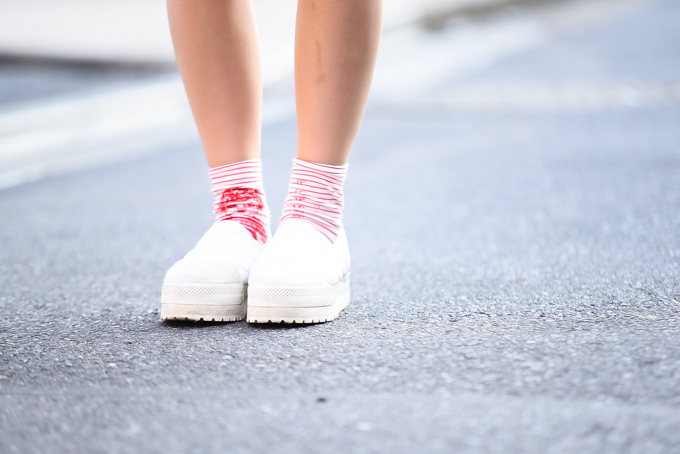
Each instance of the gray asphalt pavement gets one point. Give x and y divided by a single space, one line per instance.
515 286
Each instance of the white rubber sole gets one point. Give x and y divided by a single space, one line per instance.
309 304
203 302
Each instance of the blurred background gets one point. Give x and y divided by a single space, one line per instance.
513 213
86 82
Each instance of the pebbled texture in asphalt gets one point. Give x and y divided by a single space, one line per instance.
515 288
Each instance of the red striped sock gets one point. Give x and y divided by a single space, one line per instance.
315 196
239 196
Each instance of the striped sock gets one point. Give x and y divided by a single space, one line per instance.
239 196
315 196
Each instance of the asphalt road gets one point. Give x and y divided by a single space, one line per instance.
515 285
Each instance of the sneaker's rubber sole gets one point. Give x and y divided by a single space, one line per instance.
203 302
308 304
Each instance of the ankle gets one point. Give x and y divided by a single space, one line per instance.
239 196
315 196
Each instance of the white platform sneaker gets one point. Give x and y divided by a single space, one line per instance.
300 277
210 282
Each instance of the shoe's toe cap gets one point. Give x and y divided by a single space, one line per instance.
206 271
298 256
286 272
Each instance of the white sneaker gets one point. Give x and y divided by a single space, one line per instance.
300 277
209 283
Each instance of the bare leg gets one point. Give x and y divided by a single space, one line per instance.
217 52
336 44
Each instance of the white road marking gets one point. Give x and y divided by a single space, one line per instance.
98 128
540 97
102 127
412 62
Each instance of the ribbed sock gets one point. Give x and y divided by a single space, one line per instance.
315 196
239 196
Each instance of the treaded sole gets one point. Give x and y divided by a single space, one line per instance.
199 313
297 304
203 302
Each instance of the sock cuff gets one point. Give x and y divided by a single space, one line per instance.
325 177
243 174
340 171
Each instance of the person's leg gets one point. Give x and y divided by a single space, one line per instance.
217 52
336 44
302 275
335 51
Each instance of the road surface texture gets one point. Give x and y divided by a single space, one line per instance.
515 279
